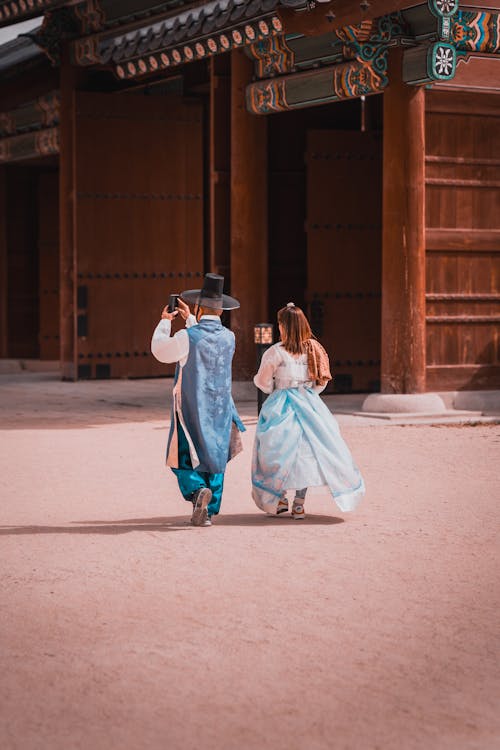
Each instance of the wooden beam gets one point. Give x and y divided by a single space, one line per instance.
465 297
469 319
67 223
30 145
490 5
403 235
449 239
346 80
3 263
344 12
466 161
478 72
28 85
457 183
248 217
40 113
459 102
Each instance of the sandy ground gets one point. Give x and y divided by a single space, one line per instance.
123 627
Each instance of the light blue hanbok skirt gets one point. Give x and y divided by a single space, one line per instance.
298 444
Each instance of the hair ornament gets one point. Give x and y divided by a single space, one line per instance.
291 304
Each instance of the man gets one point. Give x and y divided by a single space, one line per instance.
204 429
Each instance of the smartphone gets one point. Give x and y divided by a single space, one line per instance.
172 302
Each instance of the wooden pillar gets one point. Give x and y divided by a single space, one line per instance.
3 263
67 223
248 217
403 236
219 153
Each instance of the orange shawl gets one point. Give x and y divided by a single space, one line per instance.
317 362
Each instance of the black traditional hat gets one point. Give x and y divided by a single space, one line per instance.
211 294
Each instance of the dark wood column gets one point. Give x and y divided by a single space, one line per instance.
403 237
3 263
219 153
67 223
248 217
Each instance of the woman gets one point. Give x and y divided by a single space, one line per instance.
298 442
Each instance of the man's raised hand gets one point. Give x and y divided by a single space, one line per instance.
183 309
166 315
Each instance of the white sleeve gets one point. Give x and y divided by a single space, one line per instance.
166 348
269 363
319 388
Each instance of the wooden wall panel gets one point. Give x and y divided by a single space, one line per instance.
288 190
463 241
48 253
287 239
344 252
22 264
3 262
462 273
67 221
139 224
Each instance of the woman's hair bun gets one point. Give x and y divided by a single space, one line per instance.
291 304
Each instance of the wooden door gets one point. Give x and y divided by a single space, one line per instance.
139 224
462 240
48 254
344 199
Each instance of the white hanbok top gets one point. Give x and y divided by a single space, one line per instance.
166 348
279 369
297 441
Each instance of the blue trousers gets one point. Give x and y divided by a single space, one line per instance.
190 480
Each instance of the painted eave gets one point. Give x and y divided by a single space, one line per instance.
15 46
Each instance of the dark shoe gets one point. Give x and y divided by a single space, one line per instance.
200 501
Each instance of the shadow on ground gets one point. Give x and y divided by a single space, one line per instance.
162 524
43 401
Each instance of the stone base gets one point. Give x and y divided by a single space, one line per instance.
484 401
448 417
13 366
401 403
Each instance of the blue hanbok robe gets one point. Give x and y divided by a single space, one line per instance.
298 442
202 402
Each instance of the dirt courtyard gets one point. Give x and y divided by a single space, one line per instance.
123 627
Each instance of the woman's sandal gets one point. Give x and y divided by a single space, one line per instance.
298 511
282 506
